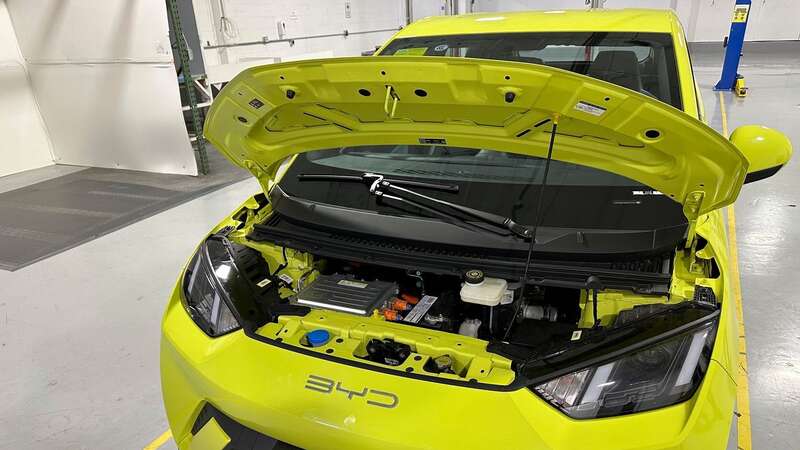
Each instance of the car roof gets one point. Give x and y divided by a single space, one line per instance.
583 20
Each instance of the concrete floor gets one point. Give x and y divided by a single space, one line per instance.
768 237
79 332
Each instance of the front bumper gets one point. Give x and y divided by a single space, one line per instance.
263 388
215 425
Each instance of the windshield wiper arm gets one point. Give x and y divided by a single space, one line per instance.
449 218
390 189
369 178
381 187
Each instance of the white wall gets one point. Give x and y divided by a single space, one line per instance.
703 20
774 20
525 5
104 79
24 143
710 20
426 8
253 19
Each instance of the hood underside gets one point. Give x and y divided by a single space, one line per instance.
269 113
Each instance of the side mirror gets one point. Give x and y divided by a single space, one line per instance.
766 150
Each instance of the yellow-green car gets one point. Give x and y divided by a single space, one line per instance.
501 232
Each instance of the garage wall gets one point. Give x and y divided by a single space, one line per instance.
703 20
774 20
103 75
525 5
426 8
710 20
251 20
24 144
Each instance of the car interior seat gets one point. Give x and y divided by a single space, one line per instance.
509 52
620 67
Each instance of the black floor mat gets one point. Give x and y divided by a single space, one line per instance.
46 218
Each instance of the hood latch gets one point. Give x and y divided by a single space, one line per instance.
393 98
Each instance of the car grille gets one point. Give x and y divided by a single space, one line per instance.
242 438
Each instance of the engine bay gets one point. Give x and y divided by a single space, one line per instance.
474 305
466 325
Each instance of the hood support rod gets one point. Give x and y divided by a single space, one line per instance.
536 222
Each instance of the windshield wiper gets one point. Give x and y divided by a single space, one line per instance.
369 179
389 189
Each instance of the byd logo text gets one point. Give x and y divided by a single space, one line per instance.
372 396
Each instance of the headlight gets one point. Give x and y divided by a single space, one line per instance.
656 376
210 279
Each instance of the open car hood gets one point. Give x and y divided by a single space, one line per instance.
269 113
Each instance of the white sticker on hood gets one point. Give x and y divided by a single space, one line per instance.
589 108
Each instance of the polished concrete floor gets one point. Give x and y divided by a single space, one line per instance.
768 238
79 331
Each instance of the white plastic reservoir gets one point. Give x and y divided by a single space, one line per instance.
482 290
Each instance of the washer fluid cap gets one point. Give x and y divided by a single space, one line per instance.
317 338
474 276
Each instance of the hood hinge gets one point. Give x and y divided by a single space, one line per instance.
691 209
261 175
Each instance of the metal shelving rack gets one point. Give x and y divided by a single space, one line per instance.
190 83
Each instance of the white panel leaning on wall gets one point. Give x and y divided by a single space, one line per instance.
24 144
103 76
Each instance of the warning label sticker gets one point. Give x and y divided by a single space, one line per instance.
740 13
420 309
590 108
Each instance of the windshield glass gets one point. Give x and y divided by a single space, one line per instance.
576 196
459 164
644 62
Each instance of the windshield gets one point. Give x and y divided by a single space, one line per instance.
576 197
643 62
445 163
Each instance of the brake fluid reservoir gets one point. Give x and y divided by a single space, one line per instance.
482 290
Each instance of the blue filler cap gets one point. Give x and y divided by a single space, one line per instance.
318 337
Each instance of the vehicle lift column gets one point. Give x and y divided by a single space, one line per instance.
730 80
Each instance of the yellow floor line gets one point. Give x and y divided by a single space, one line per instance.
743 390
724 115
159 441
